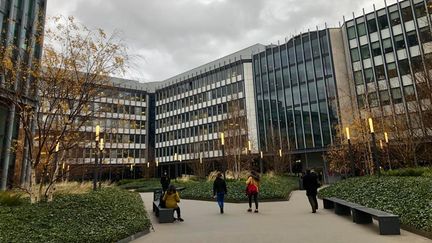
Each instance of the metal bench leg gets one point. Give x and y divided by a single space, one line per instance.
389 226
328 204
341 209
360 217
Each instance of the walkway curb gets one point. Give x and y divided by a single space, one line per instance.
134 236
417 231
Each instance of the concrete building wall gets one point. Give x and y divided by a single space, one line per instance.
251 106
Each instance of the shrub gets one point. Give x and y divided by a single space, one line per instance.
102 216
418 171
408 197
10 199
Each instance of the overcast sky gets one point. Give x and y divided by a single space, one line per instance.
167 37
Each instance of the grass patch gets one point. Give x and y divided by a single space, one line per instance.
102 216
408 197
272 188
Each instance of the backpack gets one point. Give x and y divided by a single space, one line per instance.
251 189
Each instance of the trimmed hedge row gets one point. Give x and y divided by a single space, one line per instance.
408 197
272 188
108 215
418 171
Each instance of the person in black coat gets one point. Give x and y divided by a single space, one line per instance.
311 185
219 191
165 181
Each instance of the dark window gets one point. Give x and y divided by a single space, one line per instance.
387 45
391 69
404 68
301 72
365 51
420 10
385 97
315 47
284 57
372 26
373 99
361 28
407 14
293 72
376 49
425 35
394 18
399 42
309 70
361 101
358 77
397 95
355 55
277 59
409 93
351 32
412 39
379 72
383 22
369 75
307 49
318 68
299 52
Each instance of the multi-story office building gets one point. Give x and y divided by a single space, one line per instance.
386 51
194 107
122 112
19 27
296 87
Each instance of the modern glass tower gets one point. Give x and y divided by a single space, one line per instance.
296 93
19 27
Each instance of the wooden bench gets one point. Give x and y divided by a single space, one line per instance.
388 223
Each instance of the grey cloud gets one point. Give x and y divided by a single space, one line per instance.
171 36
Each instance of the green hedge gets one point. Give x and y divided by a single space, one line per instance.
408 197
272 188
418 171
103 216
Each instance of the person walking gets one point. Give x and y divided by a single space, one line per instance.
219 191
165 181
171 199
252 189
311 185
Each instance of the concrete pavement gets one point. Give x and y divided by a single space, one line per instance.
289 221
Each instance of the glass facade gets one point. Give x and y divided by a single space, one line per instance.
296 94
18 30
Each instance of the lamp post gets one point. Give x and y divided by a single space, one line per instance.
261 162
101 148
350 151
387 149
95 171
222 138
57 148
249 148
374 149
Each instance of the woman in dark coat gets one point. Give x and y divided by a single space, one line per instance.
219 191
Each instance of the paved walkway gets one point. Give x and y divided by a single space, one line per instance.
289 221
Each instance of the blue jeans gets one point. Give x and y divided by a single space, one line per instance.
220 199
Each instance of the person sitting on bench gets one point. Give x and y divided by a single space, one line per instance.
171 199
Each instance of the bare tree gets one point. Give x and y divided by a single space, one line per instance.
76 62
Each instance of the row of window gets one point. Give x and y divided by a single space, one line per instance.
387 47
193 148
205 129
395 19
197 114
220 92
384 96
115 137
121 109
226 72
115 123
82 153
404 69
116 93
299 49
